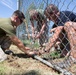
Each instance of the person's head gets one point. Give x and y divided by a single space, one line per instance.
51 12
33 14
17 17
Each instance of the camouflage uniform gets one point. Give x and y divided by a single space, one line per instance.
40 18
6 30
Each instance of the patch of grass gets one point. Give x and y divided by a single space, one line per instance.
35 45
26 42
2 69
55 54
30 43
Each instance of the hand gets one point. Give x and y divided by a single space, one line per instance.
37 36
28 52
27 48
31 53
47 47
57 45
52 30
33 35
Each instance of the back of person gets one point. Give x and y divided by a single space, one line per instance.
64 17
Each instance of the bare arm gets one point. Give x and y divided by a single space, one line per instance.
19 44
33 29
52 30
42 30
54 38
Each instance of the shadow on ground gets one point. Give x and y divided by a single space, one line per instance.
21 55
32 72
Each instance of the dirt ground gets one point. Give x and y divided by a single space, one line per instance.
20 64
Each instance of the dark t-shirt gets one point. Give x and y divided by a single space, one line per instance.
64 17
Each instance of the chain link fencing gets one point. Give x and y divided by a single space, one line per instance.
65 64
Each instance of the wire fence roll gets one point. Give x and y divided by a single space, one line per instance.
53 33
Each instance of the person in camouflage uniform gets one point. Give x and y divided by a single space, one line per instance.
8 35
42 27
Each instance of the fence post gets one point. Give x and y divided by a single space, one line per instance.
18 4
18 8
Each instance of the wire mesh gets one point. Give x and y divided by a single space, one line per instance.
53 56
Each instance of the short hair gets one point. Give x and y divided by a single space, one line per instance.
50 8
19 14
39 13
32 12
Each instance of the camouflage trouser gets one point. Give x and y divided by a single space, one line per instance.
70 28
5 42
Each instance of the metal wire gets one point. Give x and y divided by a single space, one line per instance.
63 5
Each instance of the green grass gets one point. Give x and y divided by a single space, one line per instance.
55 54
3 69
30 43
